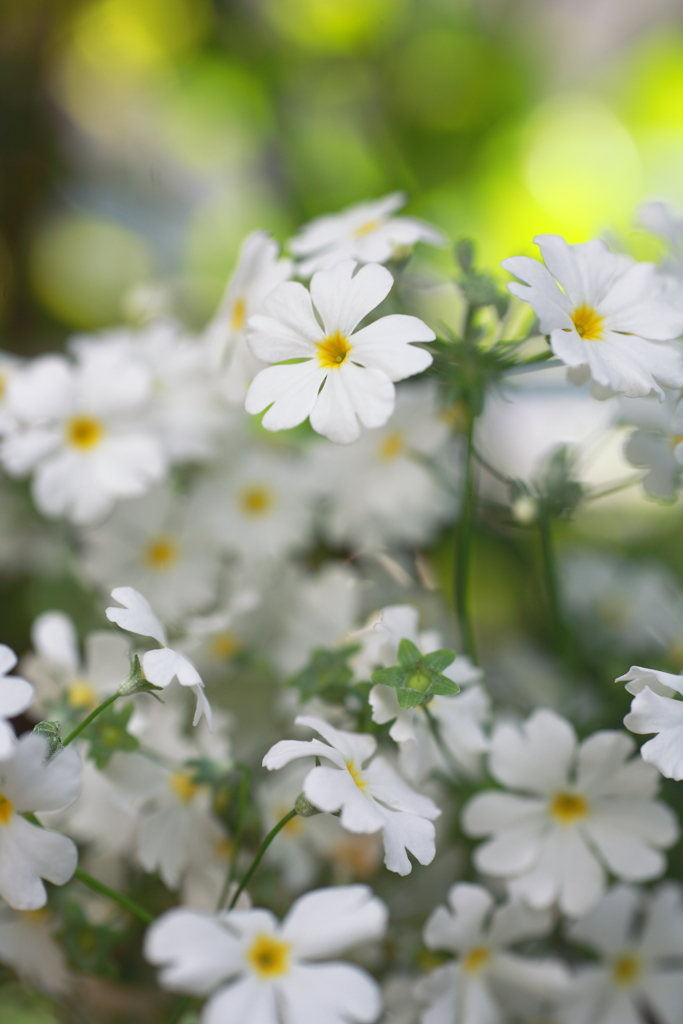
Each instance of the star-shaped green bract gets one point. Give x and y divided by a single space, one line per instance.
417 677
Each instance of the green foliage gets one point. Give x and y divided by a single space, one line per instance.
327 674
88 946
108 733
418 677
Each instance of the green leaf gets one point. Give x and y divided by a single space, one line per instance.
327 674
108 733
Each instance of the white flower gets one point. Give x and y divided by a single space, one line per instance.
578 810
663 220
258 271
655 709
273 971
328 372
603 311
387 488
371 797
16 695
657 443
27 945
29 783
638 938
475 988
162 666
366 232
79 434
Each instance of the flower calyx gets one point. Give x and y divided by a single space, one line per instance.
418 677
51 732
137 682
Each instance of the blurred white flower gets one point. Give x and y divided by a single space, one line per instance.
273 971
474 989
655 709
329 373
79 433
603 311
638 939
28 853
578 810
27 946
656 444
259 270
16 694
663 220
371 796
162 666
366 232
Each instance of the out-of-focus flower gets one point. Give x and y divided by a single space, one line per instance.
577 810
656 444
655 709
27 946
28 853
16 694
473 989
274 971
663 220
338 378
603 311
638 939
366 232
78 433
371 797
258 271
160 667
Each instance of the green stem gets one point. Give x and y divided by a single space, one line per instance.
550 578
620 485
259 856
183 1005
463 540
123 901
86 721
242 798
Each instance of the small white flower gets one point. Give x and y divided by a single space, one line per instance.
160 667
261 970
475 988
258 271
603 311
28 783
28 947
578 809
328 372
638 938
371 796
655 709
366 232
16 695
656 444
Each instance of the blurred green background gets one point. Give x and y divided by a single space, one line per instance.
142 139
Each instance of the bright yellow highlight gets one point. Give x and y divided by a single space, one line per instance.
84 432
183 785
3 386
161 553
588 322
256 500
675 440
81 694
568 808
239 314
357 776
392 446
333 351
225 646
476 960
269 956
6 809
626 970
366 229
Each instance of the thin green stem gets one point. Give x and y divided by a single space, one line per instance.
242 800
463 542
614 488
259 856
179 1010
91 717
128 904
549 566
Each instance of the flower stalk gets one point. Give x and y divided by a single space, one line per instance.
259 856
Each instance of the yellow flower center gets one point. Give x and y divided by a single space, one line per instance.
357 776
568 808
366 229
161 553
392 446
626 970
588 322
225 646
256 500
183 785
476 959
81 694
6 809
675 440
333 351
84 432
239 314
269 956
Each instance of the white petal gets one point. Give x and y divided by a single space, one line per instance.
333 414
53 635
403 832
326 922
652 713
464 924
16 695
162 666
34 784
136 616
285 751
329 994
386 345
534 756
342 300
388 787
8 659
291 390
663 683
333 789
246 1000
607 928
195 952
357 747
27 854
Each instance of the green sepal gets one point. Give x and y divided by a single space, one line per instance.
418 677
50 730
137 682
108 733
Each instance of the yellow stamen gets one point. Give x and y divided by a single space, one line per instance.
588 322
161 553
239 314
675 440
476 959
256 500
357 776
269 956
626 970
225 646
81 694
392 446
183 785
367 228
333 351
6 809
568 808
84 432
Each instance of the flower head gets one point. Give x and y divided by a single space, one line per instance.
15 696
655 709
